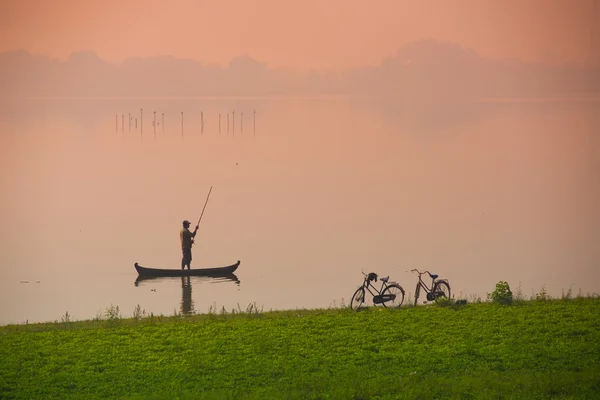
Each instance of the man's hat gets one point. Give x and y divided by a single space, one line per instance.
186 222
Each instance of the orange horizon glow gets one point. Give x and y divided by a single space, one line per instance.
311 34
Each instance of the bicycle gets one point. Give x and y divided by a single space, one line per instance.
391 294
440 288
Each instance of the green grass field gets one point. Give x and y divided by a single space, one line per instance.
532 349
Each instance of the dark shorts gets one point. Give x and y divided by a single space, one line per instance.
187 255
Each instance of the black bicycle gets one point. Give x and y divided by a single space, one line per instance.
390 294
440 288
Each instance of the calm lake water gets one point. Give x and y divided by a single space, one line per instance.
316 191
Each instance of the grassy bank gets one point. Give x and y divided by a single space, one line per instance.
534 349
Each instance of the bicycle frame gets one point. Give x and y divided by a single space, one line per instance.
368 285
421 284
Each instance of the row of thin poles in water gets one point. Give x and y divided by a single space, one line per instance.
133 122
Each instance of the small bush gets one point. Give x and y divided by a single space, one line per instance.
112 315
502 294
138 313
475 298
542 295
569 294
66 320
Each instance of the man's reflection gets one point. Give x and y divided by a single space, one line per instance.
187 304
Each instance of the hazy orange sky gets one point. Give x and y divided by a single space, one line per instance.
320 34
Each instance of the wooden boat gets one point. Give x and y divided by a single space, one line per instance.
218 271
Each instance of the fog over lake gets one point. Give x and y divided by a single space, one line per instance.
312 192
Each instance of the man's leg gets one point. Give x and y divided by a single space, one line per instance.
187 258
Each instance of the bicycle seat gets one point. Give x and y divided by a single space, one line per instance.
433 276
384 279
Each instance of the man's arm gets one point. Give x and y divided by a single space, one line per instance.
195 230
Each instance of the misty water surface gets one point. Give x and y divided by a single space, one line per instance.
325 188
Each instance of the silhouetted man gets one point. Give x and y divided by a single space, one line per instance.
187 240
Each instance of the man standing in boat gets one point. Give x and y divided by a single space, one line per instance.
187 240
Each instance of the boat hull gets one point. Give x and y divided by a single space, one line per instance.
218 271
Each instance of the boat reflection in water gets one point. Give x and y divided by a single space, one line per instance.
187 304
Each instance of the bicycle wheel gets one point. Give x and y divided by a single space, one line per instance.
358 299
441 290
397 298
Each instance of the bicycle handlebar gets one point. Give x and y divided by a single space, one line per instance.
420 273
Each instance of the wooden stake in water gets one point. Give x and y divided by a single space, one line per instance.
201 122
254 122
219 123
122 122
154 123
182 125
227 122
116 122
163 121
